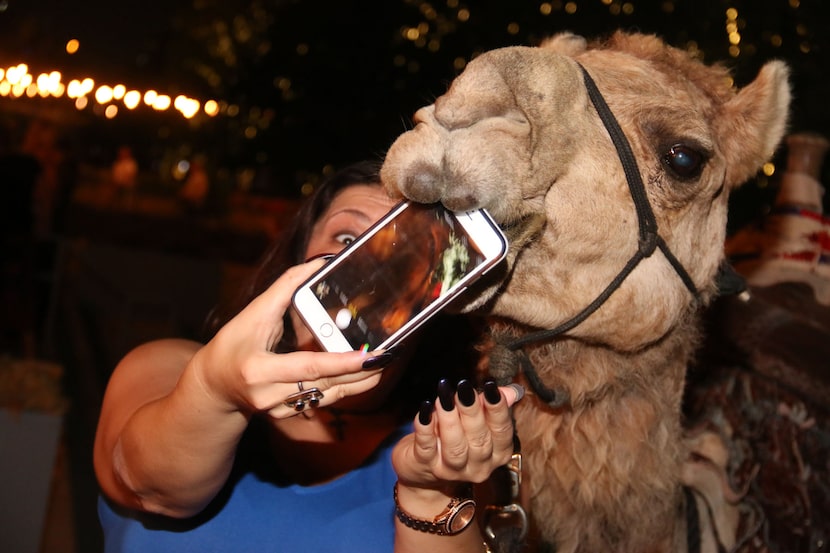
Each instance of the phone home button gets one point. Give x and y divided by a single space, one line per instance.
326 330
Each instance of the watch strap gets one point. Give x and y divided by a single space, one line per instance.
442 524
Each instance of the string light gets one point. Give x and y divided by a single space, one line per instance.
72 46
732 33
16 81
432 42
132 98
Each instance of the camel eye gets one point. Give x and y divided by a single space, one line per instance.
684 161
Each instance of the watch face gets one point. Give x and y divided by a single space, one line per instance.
461 516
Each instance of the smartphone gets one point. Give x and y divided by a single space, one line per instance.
397 275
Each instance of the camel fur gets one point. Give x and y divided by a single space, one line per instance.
517 134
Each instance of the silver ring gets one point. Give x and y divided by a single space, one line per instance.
304 398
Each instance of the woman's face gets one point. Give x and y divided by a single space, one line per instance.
353 210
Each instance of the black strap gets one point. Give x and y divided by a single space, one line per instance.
645 216
692 522
648 241
586 312
678 267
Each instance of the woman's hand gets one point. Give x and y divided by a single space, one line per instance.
174 410
240 371
463 438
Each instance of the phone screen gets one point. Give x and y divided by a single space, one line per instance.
397 273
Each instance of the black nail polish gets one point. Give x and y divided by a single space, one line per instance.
378 361
446 395
466 393
425 413
491 392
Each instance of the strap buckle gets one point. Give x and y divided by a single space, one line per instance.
511 514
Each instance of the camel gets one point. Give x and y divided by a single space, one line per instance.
600 298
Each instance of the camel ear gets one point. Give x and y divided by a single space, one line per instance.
754 122
567 44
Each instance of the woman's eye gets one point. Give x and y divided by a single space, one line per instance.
345 238
684 161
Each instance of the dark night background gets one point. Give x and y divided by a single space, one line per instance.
354 78
304 86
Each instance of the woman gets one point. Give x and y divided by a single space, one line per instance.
200 447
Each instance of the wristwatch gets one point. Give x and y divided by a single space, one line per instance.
458 514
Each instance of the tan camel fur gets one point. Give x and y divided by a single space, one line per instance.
516 134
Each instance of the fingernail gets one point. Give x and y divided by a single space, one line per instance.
377 361
491 392
520 390
425 413
446 395
466 393
325 256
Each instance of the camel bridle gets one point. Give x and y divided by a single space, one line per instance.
507 354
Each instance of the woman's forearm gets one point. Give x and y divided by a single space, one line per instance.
164 444
175 453
463 440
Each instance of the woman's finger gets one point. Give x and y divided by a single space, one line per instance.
260 323
454 449
290 377
320 365
474 422
497 402
310 396
425 446
277 298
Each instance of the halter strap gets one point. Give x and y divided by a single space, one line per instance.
645 216
648 241
649 238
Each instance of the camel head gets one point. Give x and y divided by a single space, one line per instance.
517 134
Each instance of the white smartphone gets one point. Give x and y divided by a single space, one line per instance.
396 275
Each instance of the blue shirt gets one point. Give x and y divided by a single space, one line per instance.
354 513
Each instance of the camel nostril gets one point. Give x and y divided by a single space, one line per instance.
423 184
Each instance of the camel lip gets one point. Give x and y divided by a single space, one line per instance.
513 227
524 230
